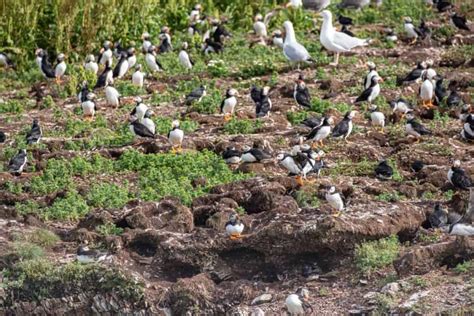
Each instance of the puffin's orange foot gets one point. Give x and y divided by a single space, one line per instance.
300 181
227 117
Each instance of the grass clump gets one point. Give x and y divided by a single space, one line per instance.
11 106
372 255
27 251
393 196
243 126
109 229
163 125
42 237
349 168
108 195
71 207
465 267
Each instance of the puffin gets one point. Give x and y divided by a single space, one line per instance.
426 91
122 66
83 91
335 200
165 40
439 217
151 60
139 129
85 255
312 121
45 67
106 77
196 95
277 39
296 304
90 65
18 163
301 93
193 29
459 21
253 154
148 122
118 49
228 104
175 137
344 20
411 30
3 137
131 57
443 5
60 68
231 155
390 35
184 58
106 54
319 133
377 118
417 166
39 53
140 109
440 90
315 159
460 229
424 30
34 134
194 15
467 132
454 99
371 92
413 75
146 44
234 227
112 96
298 164
263 104
372 73
401 105
89 107
343 129
383 171
138 76
220 32
211 46
5 61
414 128
259 26
458 177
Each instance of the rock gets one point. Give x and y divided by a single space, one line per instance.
437 178
413 299
219 219
370 295
407 190
391 288
254 167
138 220
94 219
262 299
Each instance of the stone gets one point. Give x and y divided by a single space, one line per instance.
262 299
391 288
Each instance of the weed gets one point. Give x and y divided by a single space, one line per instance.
42 237
323 291
393 196
385 303
448 195
108 195
240 210
27 251
372 255
296 118
419 282
71 207
350 168
209 104
109 229
243 126
465 267
307 199
11 106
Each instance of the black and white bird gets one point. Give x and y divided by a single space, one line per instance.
253 154
148 122
296 304
377 118
458 177
138 77
140 109
414 75
34 134
343 129
426 91
401 106
411 30
112 96
5 60
86 255
390 35
175 137
319 133
259 26
106 54
414 128
229 103
372 73
139 129
315 159
443 5
383 171
301 94
39 53
312 121
122 66
194 15
83 91
417 166
146 44
3 137
89 107
45 66
106 77
90 64
131 57
18 162
231 155
184 58
335 200
211 47
220 33
440 90
459 21
439 217
372 92
297 164
165 40
467 132
196 95
151 61
277 39
234 227
60 68
263 103
454 99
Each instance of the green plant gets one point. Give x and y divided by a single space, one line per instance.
419 282
109 229
242 126
27 251
107 195
11 106
323 291
296 118
71 207
307 199
42 237
465 267
393 196
372 255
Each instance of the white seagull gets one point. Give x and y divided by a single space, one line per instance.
335 41
293 51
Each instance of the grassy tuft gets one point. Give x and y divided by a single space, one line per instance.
372 255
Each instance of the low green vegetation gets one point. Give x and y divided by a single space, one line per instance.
41 237
163 125
392 196
108 195
109 229
373 255
348 167
465 267
307 199
242 126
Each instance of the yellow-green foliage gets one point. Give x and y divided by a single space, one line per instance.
372 255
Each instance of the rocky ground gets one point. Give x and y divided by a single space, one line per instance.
178 251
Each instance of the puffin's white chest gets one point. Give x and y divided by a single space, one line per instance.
369 77
92 67
377 118
88 107
248 157
349 129
123 68
323 133
184 59
468 129
401 107
290 165
106 56
278 42
137 78
426 91
140 111
260 28
60 69
411 131
410 30
132 60
149 124
375 93
145 46
176 137
335 201
151 62
229 105
234 229
462 230
110 78
112 96
450 175
294 305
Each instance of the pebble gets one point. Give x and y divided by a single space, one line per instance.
264 298
391 288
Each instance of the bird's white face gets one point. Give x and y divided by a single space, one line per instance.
332 190
138 100
175 123
330 120
61 57
407 20
233 92
352 114
90 96
457 163
410 116
90 58
258 17
371 65
266 90
280 157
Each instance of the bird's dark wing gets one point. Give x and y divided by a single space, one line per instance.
101 80
159 64
313 132
420 129
47 68
384 170
116 71
263 107
364 96
301 159
142 130
255 94
222 105
34 134
312 122
340 129
16 162
303 97
462 180
413 75
453 99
